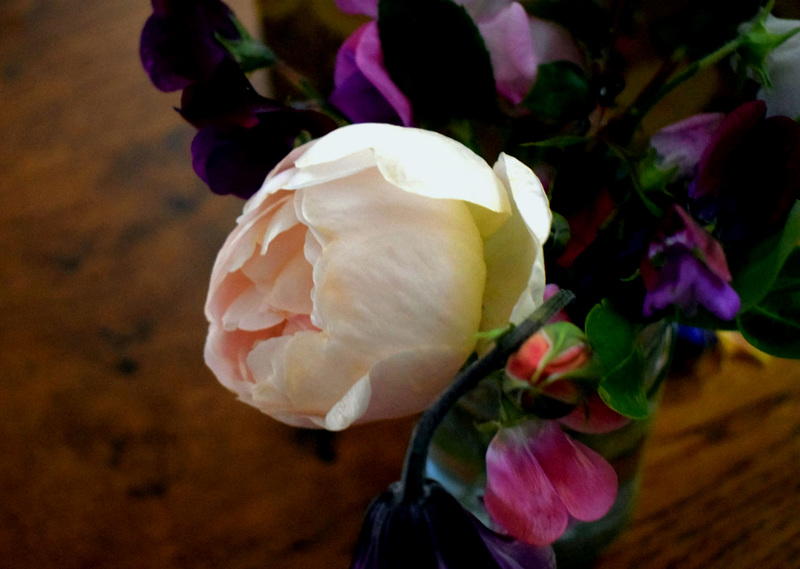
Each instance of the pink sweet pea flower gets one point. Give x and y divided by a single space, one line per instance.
538 478
681 145
517 44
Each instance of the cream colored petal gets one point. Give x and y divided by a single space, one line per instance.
408 382
245 313
527 193
349 408
397 270
418 161
515 270
276 178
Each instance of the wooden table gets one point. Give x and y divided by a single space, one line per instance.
118 447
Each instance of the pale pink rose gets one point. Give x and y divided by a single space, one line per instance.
356 279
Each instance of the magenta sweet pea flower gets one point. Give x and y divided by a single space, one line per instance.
538 478
517 44
363 90
681 145
178 45
685 267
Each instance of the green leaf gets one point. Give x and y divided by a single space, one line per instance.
435 54
250 54
610 334
773 325
558 141
755 274
623 388
561 92
614 337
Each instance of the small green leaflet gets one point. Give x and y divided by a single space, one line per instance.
773 325
613 337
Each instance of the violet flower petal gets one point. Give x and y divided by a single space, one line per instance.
226 97
365 7
354 94
178 45
359 65
233 159
686 282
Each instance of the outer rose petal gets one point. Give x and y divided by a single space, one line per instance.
524 234
433 166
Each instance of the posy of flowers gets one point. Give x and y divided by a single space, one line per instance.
378 254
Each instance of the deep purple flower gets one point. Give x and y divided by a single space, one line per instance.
686 267
242 135
749 176
234 159
178 45
437 533
225 97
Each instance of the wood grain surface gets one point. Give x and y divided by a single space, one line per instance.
118 447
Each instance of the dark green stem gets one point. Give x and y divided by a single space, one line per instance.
413 478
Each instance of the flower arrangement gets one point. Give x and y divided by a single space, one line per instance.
473 159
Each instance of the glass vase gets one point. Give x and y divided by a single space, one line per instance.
457 454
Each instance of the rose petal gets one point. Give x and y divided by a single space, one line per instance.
418 161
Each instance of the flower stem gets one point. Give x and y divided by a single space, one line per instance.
651 97
413 477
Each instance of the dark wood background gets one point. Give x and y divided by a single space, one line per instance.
118 447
